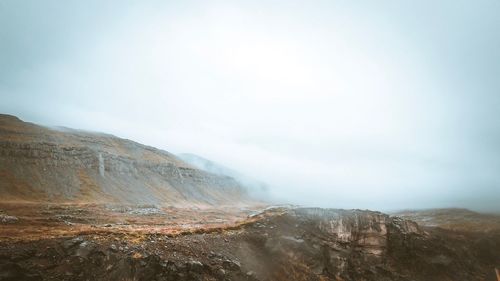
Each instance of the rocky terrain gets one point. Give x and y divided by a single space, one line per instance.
279 243
85 206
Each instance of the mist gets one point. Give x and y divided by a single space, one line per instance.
387 105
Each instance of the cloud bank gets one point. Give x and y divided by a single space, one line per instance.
334 104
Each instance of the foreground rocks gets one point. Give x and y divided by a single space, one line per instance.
279 244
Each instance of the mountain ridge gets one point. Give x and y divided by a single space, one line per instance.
38 163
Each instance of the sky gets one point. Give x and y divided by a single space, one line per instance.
345 104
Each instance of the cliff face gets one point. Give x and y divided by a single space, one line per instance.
331 244
365 231
39 164
340 244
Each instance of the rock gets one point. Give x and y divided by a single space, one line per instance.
195 266
171 267
8 219
306 245
220 273
84 249
364 230
231 265
72 242
406 226
14 272
214 255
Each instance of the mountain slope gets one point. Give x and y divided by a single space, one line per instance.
255 187
65 165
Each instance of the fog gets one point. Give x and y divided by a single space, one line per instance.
350 104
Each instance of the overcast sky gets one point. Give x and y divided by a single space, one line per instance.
352 104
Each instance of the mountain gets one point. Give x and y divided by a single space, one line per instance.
255 187
65 165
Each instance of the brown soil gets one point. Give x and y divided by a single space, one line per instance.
49 220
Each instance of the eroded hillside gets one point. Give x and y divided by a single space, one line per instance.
63 165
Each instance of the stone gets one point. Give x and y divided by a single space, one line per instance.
8 219
231 265
72 242
195 266
220 273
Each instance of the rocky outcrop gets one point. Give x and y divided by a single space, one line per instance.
279 244
336 243
332 244
40 164
367 231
